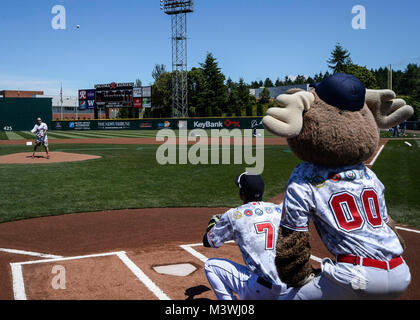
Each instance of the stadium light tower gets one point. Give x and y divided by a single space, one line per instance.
178 10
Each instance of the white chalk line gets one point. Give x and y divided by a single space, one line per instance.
29 253
142 277
377 155
406 229
19 284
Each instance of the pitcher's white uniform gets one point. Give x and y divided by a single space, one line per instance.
41 133
253 226
347 206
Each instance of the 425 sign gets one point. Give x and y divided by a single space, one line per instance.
7 128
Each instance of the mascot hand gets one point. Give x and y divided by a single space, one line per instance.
387 110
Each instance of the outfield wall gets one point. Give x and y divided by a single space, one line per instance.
157 124
19 114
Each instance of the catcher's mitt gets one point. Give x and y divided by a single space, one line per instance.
213 221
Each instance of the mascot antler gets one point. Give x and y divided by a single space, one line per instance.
287 121
387 110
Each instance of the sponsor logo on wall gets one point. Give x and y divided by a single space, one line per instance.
80 125
164 125
145 125
114 125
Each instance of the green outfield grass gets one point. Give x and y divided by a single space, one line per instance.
128 176
389 134
129 134
399 170
96 134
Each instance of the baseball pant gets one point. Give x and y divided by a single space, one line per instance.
344 281
227 277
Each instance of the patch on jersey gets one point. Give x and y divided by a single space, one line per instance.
278 209
351 175
248 212
259 212
334 177
318 182
237 215
269 210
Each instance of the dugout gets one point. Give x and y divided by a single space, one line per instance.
19 114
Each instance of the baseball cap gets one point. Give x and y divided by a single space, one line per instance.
343 91
251 185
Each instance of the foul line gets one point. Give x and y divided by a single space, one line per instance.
406 229
377 155
19 284
29 253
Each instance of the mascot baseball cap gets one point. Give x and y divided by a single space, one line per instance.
251 185
343 91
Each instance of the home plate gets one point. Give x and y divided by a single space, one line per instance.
180 270
28 143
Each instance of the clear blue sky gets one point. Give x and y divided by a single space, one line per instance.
123 40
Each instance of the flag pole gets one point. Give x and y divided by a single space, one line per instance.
61 100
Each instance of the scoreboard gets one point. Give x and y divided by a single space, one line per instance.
114 95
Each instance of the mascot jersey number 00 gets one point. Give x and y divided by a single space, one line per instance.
334 129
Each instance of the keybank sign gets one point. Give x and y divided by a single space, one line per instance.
208 125
218 124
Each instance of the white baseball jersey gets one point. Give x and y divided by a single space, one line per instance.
347 206
40 131
253 226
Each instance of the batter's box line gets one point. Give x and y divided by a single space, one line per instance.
19 291
203 258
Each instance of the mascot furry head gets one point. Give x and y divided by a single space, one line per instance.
333 126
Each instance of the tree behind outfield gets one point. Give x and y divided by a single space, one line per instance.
339 58
158 70
268 83
362 73
162 96
215 92
264 96
196 93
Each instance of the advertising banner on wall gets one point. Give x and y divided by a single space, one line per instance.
137 92
90 94
147 103
157 124
82 104
147 92
137 102
86 99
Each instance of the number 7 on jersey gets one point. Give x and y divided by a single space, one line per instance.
268 229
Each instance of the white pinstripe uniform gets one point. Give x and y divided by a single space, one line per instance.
347 206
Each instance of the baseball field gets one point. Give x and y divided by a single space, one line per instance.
123 226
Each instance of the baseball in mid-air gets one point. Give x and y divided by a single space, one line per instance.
78 26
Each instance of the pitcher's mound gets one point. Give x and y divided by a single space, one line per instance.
41 157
